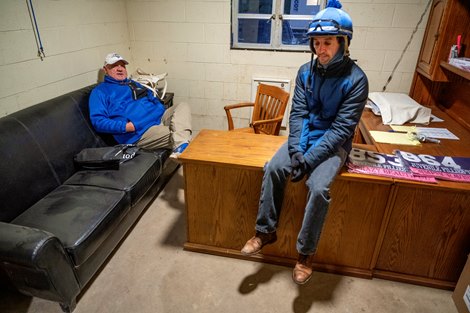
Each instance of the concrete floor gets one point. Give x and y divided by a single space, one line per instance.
150 272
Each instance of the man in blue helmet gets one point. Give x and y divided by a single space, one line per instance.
329 96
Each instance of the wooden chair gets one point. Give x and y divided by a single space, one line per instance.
268 111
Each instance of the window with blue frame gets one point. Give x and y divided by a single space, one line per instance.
272 24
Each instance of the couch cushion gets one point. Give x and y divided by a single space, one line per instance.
135 176
80 216
26 174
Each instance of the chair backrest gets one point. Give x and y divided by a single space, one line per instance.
270 102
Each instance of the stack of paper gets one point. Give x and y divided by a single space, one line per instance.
441 167
461 63
406 165
374 163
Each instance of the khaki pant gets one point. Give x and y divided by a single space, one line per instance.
174 129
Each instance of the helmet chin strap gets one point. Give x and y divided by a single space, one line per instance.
346 46
311 45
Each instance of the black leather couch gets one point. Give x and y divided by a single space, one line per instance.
58 225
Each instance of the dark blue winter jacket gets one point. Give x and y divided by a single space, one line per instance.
326 107
112 105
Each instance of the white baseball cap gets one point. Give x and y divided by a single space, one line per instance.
113 58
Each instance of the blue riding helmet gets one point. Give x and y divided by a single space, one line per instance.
331 21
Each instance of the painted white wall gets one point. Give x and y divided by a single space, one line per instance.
188 39
76 35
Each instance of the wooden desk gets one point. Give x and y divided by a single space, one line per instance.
447 147
223 173
376 227
427 238
429 226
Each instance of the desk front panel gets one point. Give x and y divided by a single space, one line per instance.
401 230
222 204
428 234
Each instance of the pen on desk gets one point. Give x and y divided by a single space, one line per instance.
423 138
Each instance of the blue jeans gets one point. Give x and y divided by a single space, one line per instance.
276 173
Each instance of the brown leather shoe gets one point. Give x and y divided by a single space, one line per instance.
303 269
257 242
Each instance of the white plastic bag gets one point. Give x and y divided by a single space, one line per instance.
152 82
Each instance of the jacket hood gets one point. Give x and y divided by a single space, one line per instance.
338 66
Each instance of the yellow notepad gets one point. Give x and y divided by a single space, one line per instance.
394 138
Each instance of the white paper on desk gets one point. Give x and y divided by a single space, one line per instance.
436 119
434 132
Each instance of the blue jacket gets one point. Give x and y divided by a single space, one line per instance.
112 105
326 107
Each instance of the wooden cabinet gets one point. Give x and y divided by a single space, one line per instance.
437 83
447 20
432 38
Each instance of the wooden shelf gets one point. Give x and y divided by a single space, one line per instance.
455 70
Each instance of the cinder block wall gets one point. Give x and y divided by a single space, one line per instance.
188 39
75 35
382 30
191 41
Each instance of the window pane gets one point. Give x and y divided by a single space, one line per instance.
254 31
272 24
255 6
300 7
294 32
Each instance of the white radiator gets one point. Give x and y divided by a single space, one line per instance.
279 82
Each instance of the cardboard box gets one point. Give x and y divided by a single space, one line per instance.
461 293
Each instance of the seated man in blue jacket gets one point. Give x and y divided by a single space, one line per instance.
133 115
329 96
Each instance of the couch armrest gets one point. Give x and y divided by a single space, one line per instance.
37 264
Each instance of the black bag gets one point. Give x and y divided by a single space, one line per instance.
105 158
138 91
